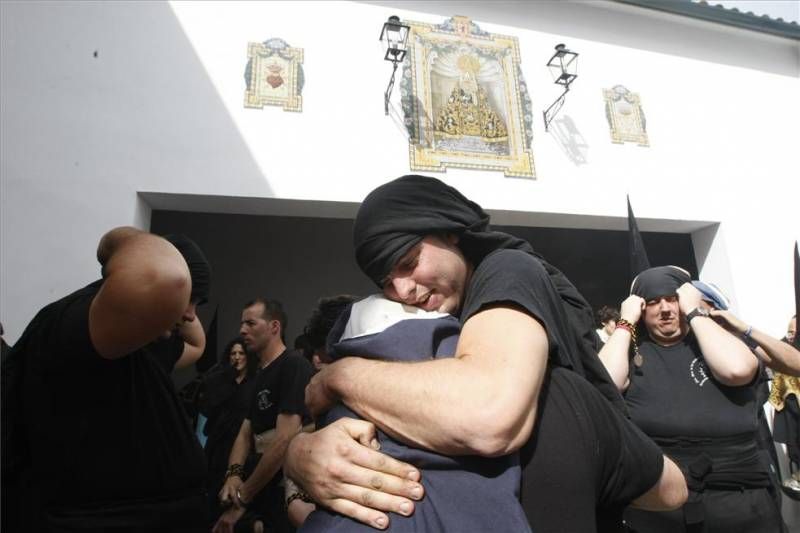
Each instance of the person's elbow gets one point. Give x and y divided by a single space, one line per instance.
737 375
668 494
496 432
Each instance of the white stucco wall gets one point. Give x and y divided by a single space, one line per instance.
160 110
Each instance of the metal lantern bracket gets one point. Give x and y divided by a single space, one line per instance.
395 35
564 67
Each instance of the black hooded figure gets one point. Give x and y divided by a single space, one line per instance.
708 425
94 442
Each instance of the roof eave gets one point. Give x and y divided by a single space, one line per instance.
721 15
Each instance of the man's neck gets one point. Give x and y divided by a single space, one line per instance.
270 353
667 342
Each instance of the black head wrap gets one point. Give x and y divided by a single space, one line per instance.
659 281
397 215
199 268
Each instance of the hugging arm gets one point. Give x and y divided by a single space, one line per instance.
481 402
491 385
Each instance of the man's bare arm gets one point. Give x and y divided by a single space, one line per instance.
776 354
238 455
729 359
194 343
614 355
146 290
286 427
482 401
669 492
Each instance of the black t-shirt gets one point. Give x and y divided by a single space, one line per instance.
674 394
279 389
105 434
515 277
588 457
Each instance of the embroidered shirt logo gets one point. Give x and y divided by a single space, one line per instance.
263 400
698 371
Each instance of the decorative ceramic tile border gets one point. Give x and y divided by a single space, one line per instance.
465 102
625 116
274 75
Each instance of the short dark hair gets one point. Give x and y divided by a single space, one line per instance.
273 310
606 313
322 319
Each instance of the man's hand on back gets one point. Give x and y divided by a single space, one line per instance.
341 470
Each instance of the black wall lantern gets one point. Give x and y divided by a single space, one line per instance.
394 35
564 69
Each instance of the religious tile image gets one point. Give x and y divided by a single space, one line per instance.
625 116
274 75
465 102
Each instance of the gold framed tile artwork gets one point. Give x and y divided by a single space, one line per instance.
274 75
625 116
465 102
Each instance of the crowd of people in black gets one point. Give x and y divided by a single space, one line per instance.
470 393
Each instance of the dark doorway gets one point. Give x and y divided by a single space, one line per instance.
298 259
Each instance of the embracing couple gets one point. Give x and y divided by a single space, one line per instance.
501 419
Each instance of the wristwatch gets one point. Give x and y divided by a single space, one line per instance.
697 311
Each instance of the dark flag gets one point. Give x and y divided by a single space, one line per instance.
796 292
209 357
638 254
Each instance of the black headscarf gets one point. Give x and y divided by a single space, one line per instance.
199 269
399 214
659 281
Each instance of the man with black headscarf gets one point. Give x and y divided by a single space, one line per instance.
109 447
690 386
515 383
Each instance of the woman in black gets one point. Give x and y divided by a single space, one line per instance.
224 401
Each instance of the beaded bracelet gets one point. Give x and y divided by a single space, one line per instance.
300 495
235 470
630 328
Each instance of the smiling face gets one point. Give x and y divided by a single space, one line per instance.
432 275
237 357
662 317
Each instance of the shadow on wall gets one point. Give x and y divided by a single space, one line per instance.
100 100
569 139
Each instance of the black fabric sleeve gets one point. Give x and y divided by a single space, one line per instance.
167 351
295 375
218 386
631 463
70 328
517 278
